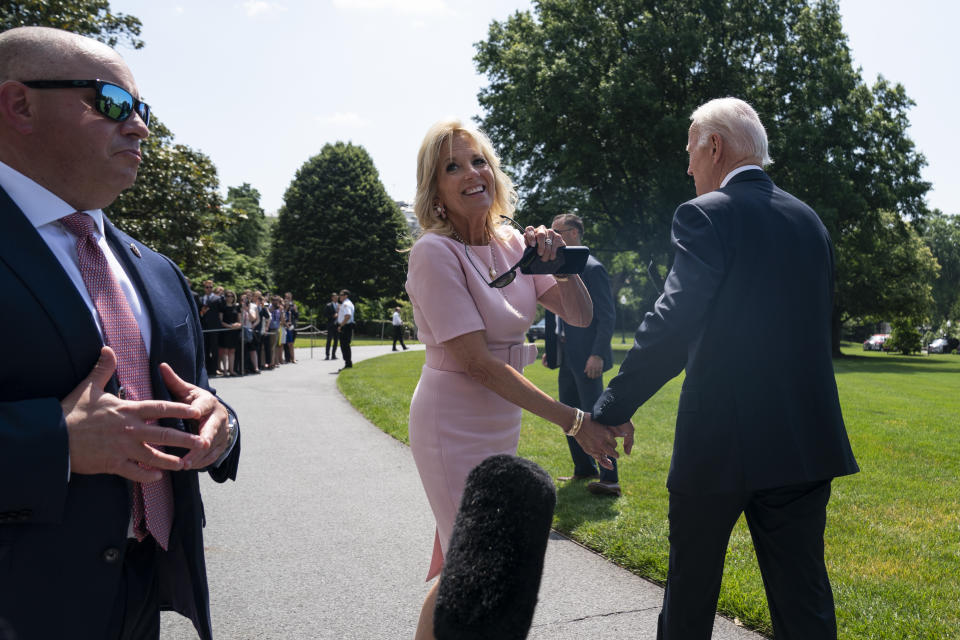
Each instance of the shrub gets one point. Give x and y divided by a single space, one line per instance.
905 337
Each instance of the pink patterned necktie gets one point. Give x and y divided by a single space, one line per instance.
153 501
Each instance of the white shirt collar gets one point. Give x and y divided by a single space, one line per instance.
38 204
746 167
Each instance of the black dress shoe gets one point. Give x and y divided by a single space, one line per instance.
604 489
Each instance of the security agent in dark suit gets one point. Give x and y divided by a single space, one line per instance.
71 445
333 334
758 432
210 305
582 355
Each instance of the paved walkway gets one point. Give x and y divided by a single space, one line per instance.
327 532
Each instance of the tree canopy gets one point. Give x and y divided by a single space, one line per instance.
243 245
338 228
942 234
589 101
246 224
91 18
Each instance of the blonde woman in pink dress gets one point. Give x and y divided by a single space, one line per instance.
467 405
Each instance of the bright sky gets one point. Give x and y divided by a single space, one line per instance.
261 85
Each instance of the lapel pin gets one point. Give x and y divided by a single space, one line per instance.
136 251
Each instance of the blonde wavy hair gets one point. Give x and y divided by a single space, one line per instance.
430 155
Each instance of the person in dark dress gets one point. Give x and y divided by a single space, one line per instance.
229 340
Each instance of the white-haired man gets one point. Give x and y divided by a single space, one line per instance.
758 432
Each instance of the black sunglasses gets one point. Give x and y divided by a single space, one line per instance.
116 103
510 275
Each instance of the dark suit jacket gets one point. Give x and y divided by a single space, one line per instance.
62 543
211 318
582 342
746 310
330 313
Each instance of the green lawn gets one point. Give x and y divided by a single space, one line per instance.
893 532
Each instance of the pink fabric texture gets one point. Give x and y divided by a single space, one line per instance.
456 423
152 502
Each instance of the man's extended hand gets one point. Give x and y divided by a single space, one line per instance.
625 431
110 435
594 367
212 418
598 441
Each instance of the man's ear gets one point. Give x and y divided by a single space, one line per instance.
716 148
16 110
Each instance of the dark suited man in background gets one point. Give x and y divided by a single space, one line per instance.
333 335
582 355
210 307
758 432
100 510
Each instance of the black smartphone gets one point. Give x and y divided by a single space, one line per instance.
568 260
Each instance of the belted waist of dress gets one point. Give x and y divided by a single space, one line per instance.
516 355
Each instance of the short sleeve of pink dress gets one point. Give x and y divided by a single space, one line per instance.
456 423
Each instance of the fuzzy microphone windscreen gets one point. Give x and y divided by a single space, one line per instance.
491 574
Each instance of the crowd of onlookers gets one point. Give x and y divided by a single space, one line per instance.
246 335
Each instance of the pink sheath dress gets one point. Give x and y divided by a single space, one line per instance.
456 423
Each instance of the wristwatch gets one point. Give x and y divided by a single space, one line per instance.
232 431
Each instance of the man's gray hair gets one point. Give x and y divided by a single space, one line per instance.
571 220
737 123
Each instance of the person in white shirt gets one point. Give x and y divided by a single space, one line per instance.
345 318
398 329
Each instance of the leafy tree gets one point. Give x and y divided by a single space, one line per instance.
239 271
590 102
86 17
942 235
891 274
242 245
246 225
339 228
904 336
843 148
174 206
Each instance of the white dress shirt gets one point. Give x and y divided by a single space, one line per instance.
44 209
746 167
397 320
346 309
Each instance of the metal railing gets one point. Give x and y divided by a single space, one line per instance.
303 330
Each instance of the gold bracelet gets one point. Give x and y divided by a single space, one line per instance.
577 423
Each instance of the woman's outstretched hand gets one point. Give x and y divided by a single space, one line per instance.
600 441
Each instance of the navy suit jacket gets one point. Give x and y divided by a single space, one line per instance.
62 543
746 311
582 342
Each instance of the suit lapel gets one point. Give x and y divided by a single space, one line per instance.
27 255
